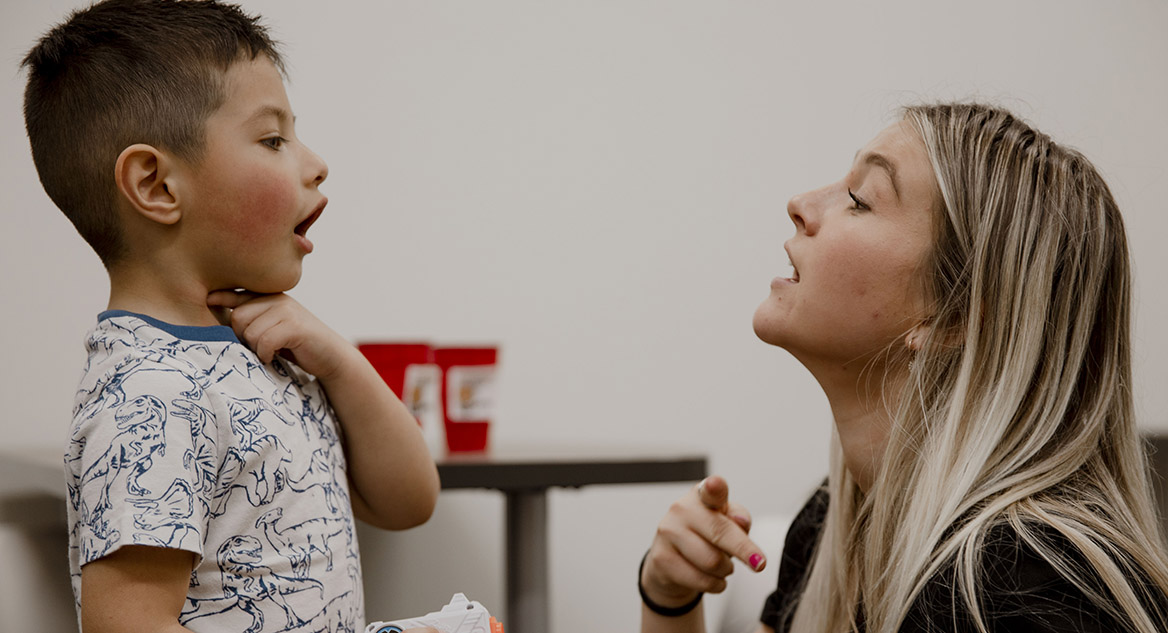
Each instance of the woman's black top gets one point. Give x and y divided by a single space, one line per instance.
1020 590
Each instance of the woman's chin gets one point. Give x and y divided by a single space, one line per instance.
769 334
767 325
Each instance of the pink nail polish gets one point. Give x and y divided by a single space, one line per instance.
756 561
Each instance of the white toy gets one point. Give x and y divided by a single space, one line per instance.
458 616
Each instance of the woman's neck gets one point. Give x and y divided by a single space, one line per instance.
863 437
861 411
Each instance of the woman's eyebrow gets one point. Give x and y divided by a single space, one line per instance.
882 161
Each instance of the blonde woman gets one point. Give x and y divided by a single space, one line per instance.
962 297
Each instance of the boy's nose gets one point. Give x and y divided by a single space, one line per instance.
317 168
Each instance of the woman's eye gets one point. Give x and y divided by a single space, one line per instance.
275 142
857 203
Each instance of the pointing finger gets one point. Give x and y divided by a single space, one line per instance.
741 516
728 536
714 493
729 532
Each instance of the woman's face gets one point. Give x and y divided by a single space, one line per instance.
857 254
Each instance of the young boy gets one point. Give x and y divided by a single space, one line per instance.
213 472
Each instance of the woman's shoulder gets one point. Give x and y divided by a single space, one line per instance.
1022 586
802 536
1020 589
809 521
798 549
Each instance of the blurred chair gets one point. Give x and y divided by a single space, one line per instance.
35 591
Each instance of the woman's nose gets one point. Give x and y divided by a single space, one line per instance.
800 208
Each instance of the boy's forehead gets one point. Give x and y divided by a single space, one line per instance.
254 89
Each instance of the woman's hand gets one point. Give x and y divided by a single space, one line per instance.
694 545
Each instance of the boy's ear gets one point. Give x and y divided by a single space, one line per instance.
144 177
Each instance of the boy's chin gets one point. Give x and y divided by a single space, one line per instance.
272 286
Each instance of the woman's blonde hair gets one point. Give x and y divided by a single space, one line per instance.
1017 410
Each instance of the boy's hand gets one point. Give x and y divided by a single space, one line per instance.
695 543
393 480
278 324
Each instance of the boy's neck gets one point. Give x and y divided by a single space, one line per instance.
177 301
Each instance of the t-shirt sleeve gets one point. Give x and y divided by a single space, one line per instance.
145 442
798 548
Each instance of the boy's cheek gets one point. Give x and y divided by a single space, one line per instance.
261 207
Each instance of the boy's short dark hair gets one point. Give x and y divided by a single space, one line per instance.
123 72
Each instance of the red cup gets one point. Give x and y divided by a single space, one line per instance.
399 365
468 395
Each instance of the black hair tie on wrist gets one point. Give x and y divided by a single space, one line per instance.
669 612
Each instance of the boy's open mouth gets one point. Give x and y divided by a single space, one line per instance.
302 228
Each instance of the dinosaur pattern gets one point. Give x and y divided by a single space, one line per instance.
183 439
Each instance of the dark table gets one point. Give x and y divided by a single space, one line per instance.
524 475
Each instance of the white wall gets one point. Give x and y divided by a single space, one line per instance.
600 187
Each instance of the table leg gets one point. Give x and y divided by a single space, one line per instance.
527 562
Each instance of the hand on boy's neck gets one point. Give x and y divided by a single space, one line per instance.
222 314
222 302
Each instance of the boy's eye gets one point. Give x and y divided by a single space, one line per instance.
275 142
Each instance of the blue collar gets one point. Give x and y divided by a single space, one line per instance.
204 333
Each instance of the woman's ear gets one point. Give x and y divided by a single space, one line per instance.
915 338
143 177
951 337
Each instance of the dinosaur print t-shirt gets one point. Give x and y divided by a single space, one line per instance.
183 439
